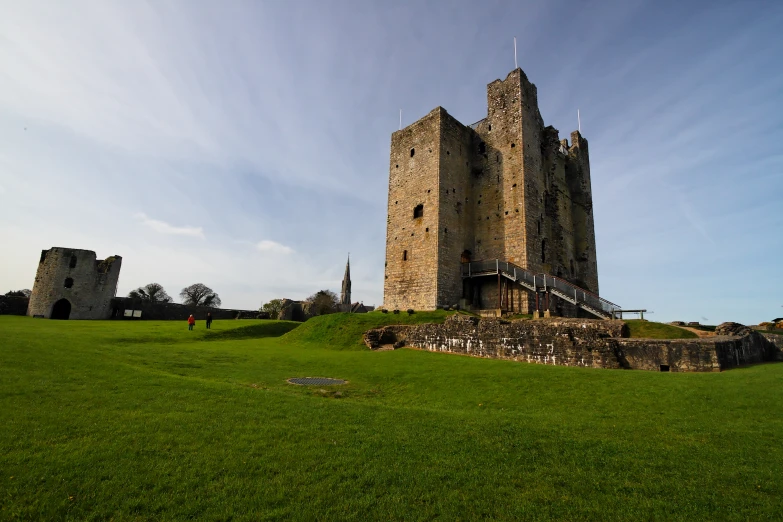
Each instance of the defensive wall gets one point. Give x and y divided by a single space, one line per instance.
13 305
175 311
575 342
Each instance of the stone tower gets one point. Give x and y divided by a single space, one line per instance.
345 293
504 188
73 284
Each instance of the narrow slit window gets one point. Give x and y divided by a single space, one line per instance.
418 211
404 255
72 264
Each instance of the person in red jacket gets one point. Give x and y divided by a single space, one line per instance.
191 322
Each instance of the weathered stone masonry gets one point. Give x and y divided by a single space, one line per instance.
74 284
575 342
504 188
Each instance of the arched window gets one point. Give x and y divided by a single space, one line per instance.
413 151
68 282
418 211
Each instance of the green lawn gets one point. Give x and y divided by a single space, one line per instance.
653 330
148 421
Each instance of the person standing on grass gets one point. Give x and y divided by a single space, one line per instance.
209 320
191 322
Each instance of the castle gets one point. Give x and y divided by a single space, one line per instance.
507 190
74 284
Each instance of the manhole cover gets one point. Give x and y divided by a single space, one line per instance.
315 381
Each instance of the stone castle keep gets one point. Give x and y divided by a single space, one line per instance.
504 189
74 284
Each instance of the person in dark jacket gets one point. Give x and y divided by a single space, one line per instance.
209 320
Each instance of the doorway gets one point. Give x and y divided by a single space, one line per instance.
61 309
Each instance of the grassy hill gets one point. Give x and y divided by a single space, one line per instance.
148 421
344 331
652 330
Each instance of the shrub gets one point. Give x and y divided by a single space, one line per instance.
410 311
384 311
396 312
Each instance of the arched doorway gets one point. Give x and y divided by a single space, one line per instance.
61 309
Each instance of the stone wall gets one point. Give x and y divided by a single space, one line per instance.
696 355
566 342
575 342
79 284
412 239
175 311
13 305
504 188
775 339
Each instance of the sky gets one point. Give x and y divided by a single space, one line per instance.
245 145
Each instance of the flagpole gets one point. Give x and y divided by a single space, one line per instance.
515 53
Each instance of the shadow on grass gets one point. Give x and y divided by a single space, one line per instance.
254 331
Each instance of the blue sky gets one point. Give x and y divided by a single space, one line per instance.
245 144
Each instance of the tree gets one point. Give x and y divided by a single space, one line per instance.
273 308
200 295
323 302
152 292
19 293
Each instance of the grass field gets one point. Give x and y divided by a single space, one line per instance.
148 421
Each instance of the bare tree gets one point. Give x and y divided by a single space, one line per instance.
323 302
272 308
19 293
200 295
152 292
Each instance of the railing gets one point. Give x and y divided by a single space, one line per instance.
541 282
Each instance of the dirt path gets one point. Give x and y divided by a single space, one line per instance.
700 333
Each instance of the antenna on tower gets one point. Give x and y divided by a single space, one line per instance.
400 119
579 121
515 53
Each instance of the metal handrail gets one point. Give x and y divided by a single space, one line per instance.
517 273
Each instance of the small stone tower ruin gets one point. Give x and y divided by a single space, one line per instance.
506 188
73 284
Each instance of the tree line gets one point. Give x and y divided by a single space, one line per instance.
197 294
321 303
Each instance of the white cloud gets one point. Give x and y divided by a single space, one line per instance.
165 228
273 247
2 189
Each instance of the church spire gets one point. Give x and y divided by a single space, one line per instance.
345 294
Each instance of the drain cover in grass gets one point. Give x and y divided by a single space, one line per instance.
315 381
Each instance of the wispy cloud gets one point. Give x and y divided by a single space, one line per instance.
273 247
166 228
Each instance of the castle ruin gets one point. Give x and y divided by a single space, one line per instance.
74 284
507 190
